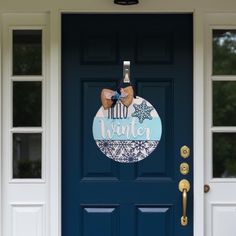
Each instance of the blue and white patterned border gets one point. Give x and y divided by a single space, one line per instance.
127 151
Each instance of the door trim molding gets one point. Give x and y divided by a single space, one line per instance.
55 125
198 122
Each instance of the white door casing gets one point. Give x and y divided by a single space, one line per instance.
220 201
49 197
21 199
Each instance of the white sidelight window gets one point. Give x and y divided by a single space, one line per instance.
220 110
224 103
25 127
27 113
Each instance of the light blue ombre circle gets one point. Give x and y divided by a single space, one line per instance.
154 125
132 132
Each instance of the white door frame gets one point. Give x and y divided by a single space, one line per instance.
55 118
54 103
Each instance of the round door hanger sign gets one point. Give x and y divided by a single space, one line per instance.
127 134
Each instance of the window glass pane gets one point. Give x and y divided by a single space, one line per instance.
27 52
27 155
224 52
224 155
27 104
224 103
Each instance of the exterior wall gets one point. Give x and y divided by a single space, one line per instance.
53 10
107 5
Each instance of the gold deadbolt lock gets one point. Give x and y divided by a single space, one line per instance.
184 168
185 151
184 187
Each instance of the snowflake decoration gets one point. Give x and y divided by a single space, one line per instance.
142 111
122 146
106 147
130 157
138 145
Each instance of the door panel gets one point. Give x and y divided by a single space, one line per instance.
101 196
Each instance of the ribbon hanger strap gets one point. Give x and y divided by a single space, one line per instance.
110 97
124 93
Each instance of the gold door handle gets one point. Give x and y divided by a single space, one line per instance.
184 218
184 187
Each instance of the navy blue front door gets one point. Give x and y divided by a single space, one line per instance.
101 197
